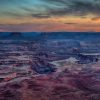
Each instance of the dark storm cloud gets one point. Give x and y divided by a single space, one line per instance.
74 7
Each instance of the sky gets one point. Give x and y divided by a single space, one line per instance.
50 15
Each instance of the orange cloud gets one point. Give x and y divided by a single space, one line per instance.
65 23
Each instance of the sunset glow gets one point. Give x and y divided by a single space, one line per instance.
50 15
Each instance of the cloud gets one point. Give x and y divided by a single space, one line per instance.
48 8
74 7
40 16
95 18
71 23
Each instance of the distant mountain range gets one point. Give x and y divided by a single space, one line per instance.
51 35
